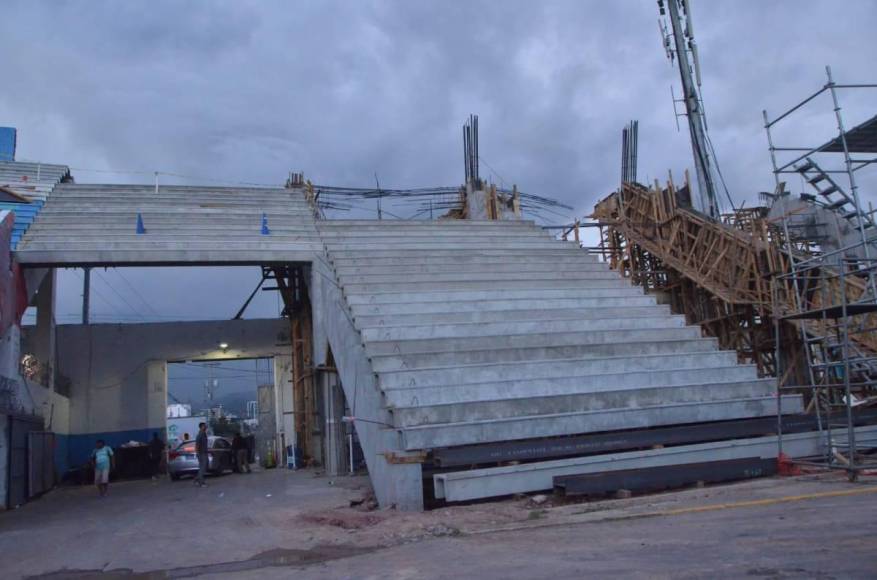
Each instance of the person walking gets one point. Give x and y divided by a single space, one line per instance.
156 451
241 453
201 446
103 460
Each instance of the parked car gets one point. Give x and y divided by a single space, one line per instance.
184 461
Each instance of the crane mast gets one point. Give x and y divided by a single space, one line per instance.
680 44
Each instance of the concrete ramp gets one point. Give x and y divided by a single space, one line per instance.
481 332
113 225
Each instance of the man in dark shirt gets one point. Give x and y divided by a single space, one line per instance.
201 446
156 450
239 446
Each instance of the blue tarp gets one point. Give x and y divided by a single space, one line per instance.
7 143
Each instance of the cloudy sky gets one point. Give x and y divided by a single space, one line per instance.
247 91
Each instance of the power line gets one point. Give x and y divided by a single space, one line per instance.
121 297
137 293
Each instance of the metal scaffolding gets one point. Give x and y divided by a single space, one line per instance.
832 284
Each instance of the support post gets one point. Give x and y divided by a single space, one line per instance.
86 294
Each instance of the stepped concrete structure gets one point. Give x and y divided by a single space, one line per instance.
144 225
445 334
462 332
32 181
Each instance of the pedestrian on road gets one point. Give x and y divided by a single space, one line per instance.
156 450
241 453
201 445
103 460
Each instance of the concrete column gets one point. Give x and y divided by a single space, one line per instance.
333 411
43 342
156 397
284 408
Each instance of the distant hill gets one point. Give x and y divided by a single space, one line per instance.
234 402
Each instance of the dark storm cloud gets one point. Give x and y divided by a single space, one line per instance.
247 91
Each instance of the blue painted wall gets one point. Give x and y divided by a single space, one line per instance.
7 143
79 447
62 457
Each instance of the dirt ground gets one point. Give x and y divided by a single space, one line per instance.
273 523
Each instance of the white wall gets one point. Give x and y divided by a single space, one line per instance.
118 372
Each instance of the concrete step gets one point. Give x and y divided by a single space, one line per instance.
346 224
537 295
595 282
155 255
549 251
169 236
481 315
485 410
568 385
427 262
175 198
396 234
499 278
106 213
485 266
458 375
243 222
542 339
429 360
463 245
452 434
522 307
264 243
466 330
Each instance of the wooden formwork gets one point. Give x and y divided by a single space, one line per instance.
722 276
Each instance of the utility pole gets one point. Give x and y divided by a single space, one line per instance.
682 45
86 294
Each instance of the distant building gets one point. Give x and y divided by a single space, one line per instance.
178 410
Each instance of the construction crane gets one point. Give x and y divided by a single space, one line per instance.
681 48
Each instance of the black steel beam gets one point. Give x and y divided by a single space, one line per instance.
664 477
577 445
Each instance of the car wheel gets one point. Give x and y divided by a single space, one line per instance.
175 477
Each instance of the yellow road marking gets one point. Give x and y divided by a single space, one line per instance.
759 502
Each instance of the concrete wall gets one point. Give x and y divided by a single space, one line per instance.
399 485
118 372
55 411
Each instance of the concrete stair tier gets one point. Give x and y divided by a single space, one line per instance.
480 332
84 224
33 182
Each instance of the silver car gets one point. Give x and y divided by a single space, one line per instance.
184 461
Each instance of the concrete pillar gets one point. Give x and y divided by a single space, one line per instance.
334 434
156 397
43 342
284 407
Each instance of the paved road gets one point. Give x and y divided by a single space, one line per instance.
282 524
822 537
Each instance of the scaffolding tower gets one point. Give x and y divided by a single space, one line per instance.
834 293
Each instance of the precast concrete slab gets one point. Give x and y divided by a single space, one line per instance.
550 425
413 396
475 316
384 363
486 332
112 225
529 477
463 374
379 347
608 400
520 306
